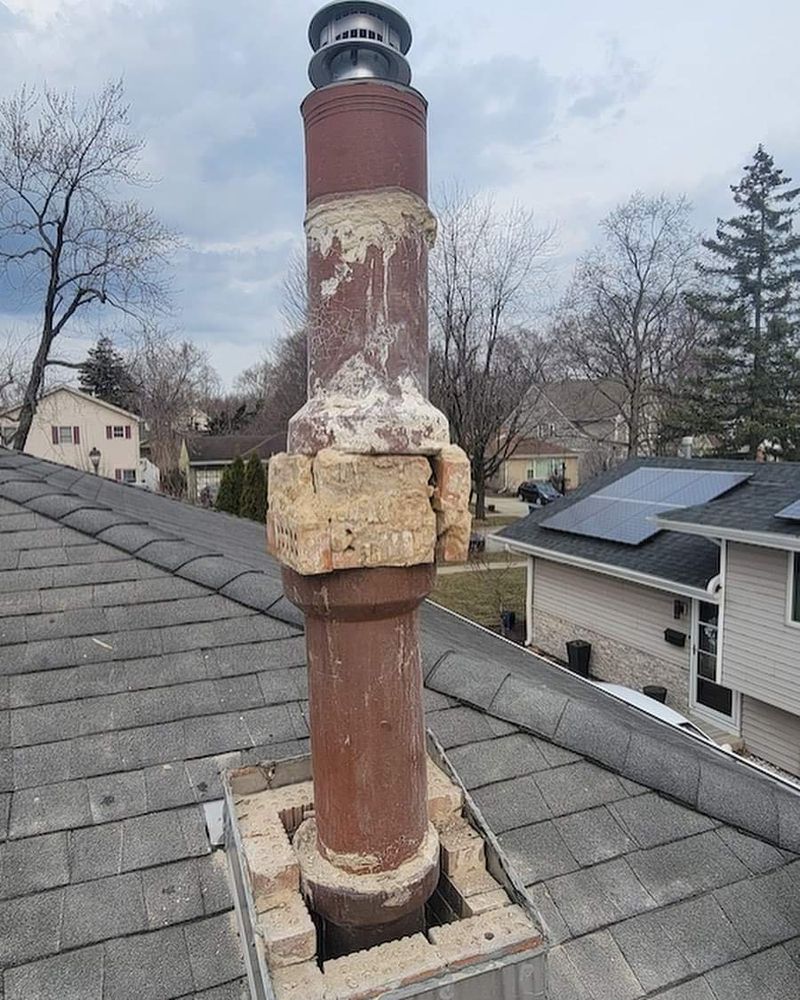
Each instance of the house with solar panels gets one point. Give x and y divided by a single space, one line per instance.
682 573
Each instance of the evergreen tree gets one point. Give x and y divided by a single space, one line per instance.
106 375
254 491
229 497
748 385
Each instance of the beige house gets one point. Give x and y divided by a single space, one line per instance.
536 458
698 594
69 425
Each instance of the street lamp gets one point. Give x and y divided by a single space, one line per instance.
94 458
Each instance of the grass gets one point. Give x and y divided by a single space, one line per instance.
478 594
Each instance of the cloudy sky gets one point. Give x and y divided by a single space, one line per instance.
566 106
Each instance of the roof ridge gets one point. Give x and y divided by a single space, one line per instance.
570 712
175 553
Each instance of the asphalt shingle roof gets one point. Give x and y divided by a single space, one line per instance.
683 559
134 667
225 447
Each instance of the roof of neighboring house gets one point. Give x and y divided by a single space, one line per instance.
81 395
535 447
207 449
583 401
686 556
145 645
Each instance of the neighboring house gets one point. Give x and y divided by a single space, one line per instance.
535 458
708 606
145 646
582 417
69 424
203 458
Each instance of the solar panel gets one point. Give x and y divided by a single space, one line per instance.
625 510
791 513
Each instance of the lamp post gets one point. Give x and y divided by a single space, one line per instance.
94 458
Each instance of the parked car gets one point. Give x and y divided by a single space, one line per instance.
647 704
537 494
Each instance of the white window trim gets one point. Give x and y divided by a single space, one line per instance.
732 723
120 428
71 430
790 622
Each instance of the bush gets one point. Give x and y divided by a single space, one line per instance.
254 491
229 497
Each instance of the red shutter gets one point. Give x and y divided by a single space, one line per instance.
109 432
128 431
118 475
76 435
54 432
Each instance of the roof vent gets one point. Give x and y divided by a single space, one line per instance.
355 41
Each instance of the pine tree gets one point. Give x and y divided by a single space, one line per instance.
106 375
748 387
229 497
254 491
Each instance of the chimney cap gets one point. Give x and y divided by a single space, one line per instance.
353 40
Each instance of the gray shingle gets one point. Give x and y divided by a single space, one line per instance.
538 852
458 726
701 932
48 808
95 852
586 906
171 555
148 967
172 893
789 822
167 786
771 975
536 707
102 909
694 989
93 520
589 730
763 910
671 769
212 572
602 967
506 805
237 989
30 927
33 864
594 835
115 796
161 837
654 960
470 680
493 760
255 590
563 979
57 505
578 786
653 820
759 856
744 801
687 867
214 951
554 925
77 975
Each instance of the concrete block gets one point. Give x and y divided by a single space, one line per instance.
344 511
373 972
288 933
462 848
486 901
445 799
272 865
299 982
490 935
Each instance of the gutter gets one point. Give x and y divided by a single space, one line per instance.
607 569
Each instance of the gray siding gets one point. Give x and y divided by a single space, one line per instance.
772 734
627 612
760 651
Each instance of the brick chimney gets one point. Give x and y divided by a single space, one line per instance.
370 492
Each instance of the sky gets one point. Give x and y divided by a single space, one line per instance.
564 106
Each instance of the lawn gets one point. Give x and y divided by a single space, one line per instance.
480 594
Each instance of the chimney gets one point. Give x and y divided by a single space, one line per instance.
370 492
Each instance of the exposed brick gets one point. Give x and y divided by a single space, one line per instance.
288 933
490 935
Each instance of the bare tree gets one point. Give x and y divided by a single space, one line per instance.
64 236
172 377
624 319
14 349
485 272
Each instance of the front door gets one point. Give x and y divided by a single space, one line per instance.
707 697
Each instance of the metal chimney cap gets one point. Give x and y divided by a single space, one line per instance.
353 40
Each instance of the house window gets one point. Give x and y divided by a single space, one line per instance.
544 468
794 596
119 432
65 435
125 475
